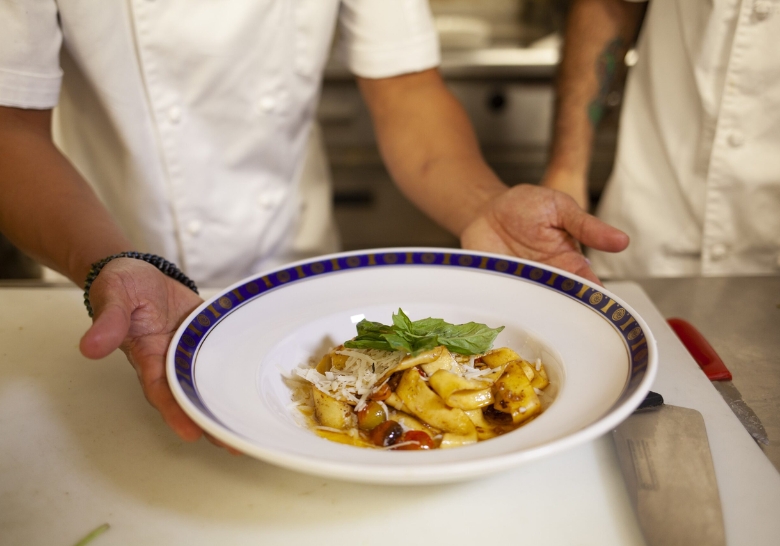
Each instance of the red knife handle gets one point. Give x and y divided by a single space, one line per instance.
700 349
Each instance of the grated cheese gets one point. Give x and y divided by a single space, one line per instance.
354 383
328 429
400 444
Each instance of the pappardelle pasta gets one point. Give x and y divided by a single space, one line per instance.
419 385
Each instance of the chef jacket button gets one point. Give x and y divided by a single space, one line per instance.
271 198
194 227
718 251
267 104
174 114
266 201
736 139
762 8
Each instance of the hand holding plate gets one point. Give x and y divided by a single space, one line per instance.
137 309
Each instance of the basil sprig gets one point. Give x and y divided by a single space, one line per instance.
421 335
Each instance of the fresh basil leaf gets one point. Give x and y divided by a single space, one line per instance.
423 335
470 338
425 344
401 322
368 344
399 343
365 327
428 326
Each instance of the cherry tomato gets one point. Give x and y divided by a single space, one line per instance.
382 393
424 441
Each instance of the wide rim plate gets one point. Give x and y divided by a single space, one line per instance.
225 371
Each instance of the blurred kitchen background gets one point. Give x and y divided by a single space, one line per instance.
499 59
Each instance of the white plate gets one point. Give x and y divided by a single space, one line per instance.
226 361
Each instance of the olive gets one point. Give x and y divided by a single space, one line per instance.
387 434
370 416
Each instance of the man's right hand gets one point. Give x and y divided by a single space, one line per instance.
137 309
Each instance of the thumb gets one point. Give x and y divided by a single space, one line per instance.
589 230
108 330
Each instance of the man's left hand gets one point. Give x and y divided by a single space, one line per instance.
543 225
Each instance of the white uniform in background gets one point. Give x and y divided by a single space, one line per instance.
192 119
696 182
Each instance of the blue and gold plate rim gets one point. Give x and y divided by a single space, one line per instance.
625 322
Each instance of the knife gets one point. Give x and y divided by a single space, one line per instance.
665 458
714 368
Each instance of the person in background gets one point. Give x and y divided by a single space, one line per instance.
696 181
181 130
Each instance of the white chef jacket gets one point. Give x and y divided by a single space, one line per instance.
191 119
696 182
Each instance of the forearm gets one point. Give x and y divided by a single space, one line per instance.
48 210
429 147
598 35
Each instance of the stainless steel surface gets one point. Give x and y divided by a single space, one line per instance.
744 413
512 22
492 62
665 458
740 317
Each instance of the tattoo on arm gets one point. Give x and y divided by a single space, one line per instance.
606 69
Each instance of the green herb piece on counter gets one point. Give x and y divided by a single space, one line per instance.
421 335
93 535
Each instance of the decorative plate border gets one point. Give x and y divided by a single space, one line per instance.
204 322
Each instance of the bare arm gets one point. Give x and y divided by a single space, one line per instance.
48 210
598 35
432 153
429 146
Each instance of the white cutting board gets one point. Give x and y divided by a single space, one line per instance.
80 447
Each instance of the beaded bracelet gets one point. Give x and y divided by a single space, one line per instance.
160 263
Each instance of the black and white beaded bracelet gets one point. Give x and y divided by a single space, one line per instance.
159 262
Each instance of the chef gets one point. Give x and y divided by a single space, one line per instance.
182 135
696 182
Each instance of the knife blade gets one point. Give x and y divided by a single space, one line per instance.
665 458
717 372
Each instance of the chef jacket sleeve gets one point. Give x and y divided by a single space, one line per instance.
30 40
384 38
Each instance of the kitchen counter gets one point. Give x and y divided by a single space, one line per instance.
740 317
80 447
